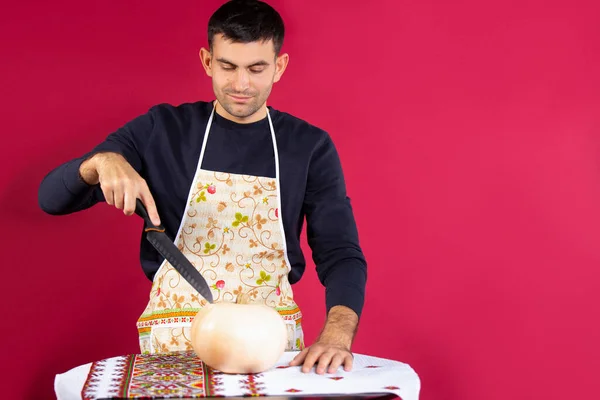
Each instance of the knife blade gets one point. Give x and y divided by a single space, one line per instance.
158 238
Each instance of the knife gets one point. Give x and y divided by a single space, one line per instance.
158 238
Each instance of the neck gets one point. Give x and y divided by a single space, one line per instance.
257 116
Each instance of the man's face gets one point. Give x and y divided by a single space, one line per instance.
242 75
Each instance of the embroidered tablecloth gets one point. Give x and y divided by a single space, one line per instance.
184 375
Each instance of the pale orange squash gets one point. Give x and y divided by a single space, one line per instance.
240 337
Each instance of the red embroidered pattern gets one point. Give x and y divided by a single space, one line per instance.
164 375
252 385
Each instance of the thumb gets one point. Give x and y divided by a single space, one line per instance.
299 357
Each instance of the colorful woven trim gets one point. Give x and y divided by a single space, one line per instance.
151 376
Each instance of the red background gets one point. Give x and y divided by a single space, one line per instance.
469 134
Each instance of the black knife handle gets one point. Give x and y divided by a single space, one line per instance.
140 209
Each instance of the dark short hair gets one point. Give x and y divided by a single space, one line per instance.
246 21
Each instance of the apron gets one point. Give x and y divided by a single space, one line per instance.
232 232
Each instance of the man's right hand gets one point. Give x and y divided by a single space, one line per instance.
120 183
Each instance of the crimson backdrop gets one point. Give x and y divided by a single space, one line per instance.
469 133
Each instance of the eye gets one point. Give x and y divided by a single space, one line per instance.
227 67
256 70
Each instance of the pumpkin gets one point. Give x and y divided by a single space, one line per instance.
238 337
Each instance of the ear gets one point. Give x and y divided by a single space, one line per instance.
280 66
206 60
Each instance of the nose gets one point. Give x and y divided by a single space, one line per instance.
241 80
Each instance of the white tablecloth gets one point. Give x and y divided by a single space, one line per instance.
104 379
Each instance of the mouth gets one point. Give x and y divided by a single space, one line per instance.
239 99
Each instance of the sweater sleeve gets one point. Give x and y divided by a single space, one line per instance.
331 231
63 191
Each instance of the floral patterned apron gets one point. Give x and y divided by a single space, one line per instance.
232 232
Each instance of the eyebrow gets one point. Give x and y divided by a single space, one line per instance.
254 64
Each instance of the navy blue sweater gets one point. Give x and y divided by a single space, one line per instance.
163 146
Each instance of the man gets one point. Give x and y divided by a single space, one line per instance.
231 180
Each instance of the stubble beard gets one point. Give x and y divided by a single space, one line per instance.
242 111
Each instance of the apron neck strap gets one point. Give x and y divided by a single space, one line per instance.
273 139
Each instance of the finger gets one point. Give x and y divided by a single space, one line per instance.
348 362
336 361
299 357
324 361
311 358
118 193
148 201
129 203
108 194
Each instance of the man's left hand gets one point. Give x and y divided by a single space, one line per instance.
332 348
324 356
